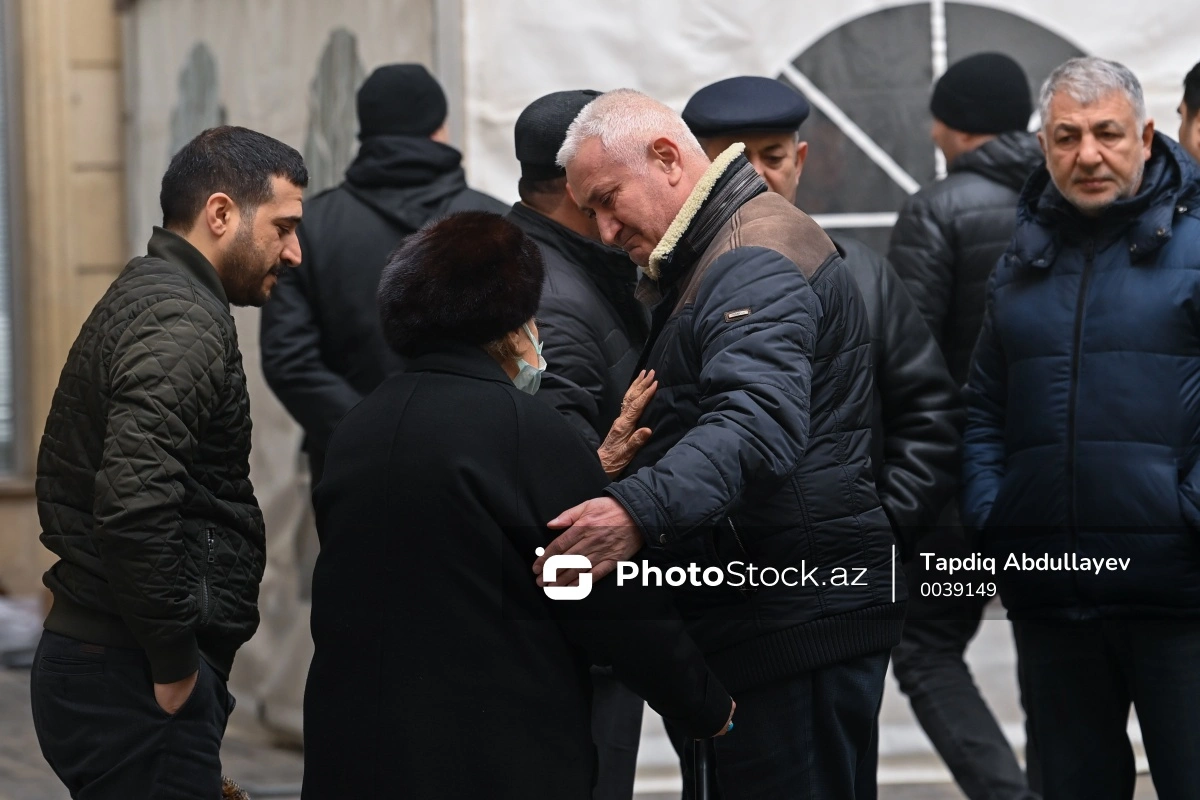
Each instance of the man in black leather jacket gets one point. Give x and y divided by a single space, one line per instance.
917 421
322 349
945 244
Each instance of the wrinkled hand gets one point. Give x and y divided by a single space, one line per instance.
600 529
625 438
171 696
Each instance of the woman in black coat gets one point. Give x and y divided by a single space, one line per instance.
442 670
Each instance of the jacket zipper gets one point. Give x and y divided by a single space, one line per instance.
1072 397
737 537
210 558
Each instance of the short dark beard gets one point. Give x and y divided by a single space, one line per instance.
242 273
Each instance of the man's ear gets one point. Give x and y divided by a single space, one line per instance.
1041 134
1148 137
665 155
220 214
801 157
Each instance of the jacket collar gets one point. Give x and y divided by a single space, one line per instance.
1045 219
579 249
723 188
458 358
174 249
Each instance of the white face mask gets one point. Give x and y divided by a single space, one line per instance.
529 377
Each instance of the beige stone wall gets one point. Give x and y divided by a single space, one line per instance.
71 224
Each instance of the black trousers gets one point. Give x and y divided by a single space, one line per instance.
106 737
812 736
1080 679
930 668
616 731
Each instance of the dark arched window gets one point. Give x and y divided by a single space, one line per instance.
869 82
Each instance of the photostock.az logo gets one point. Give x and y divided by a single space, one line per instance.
565 561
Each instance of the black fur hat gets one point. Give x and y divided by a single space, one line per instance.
470 277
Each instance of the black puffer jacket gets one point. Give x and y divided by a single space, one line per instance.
322 347
143 480
950 235
917 421
593 326
761 445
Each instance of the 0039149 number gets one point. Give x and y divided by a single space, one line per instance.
945 589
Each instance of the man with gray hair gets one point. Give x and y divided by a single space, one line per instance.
1082 449
757 474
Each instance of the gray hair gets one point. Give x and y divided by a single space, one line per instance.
1087 79
626 122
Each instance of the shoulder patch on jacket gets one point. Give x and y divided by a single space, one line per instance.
736 314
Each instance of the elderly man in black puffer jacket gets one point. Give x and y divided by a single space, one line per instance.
944 246
917 417
760 454
143 485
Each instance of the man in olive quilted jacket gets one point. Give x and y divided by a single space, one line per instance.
143 485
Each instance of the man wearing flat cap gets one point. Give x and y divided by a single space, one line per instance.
945 245
593 328
322 349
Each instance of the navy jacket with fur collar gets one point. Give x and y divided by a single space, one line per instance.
762 429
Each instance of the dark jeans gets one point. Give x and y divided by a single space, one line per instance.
929 666
809 737
1081 678
106 737
616 731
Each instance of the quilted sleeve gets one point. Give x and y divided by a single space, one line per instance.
166 371
921 253
755 329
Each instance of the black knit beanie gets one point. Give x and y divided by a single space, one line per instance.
983 93
541 129
400 100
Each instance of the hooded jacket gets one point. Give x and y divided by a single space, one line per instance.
322 346
592 325
950 234
1083 406
761 446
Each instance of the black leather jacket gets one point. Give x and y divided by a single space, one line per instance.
950 235
916 425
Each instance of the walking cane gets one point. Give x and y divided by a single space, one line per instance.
700 762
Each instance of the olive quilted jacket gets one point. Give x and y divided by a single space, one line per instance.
143 483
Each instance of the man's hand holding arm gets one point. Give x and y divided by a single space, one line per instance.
755 377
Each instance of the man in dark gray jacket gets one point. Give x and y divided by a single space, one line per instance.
944 246
143 485
757 474
322 349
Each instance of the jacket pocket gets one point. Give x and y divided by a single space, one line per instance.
62 665
727 546
206 570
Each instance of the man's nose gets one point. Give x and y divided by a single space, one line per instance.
1089 152
609 228
291 251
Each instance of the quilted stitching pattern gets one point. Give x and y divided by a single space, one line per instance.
144 455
